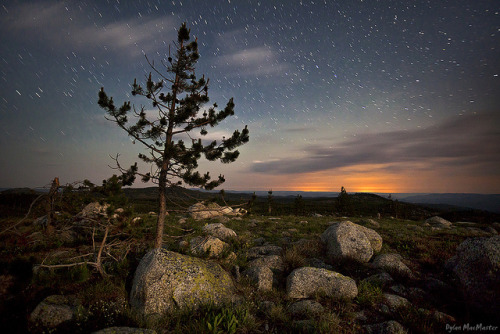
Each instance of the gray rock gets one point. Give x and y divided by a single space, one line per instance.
371 222
345 240
360 316
435 285
417 295
261 251
273 262
400 290
442 317
41 222
212 210
395 302
490 230
54 310
266 306
125 330
259 241
382 279
318 263
307 281
93 211
476 232
374 238
220 231
304 308
167 280
207 245
392 263
183 244
261 277
200 211
438 222
388 327
477 266
438 316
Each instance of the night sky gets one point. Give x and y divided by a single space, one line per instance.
377 96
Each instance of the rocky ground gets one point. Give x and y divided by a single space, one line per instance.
230 272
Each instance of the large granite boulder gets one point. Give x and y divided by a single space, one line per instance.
347 241
374 238
306 282
220 231
167 280
477 266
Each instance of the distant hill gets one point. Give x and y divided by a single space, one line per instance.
474 201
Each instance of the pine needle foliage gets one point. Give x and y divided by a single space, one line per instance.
179 98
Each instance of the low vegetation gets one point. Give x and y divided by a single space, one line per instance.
35 264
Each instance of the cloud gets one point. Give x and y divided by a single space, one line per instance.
58 25
255 61
464 142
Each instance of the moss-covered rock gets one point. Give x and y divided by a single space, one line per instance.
167 280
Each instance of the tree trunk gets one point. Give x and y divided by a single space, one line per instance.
162 198
49 229
162 180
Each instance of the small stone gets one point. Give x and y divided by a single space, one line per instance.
207 245
54 310
261 251
305 308
395 302
382 279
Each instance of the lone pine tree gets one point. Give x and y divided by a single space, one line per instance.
179 112
343 202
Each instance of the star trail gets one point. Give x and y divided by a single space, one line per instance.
379 96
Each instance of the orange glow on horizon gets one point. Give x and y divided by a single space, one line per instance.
371 179
352 181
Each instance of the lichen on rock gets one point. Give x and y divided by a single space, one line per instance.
167 280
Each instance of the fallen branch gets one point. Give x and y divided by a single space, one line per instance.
98 261
29 211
